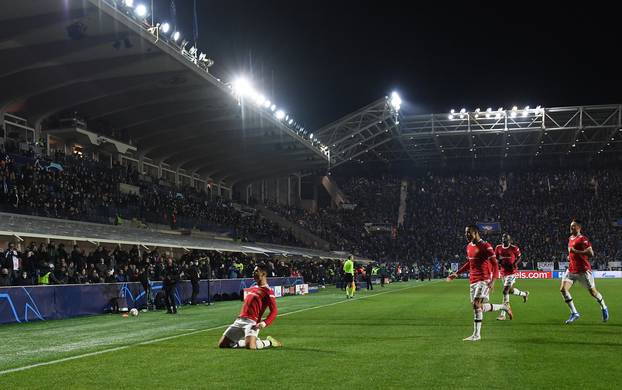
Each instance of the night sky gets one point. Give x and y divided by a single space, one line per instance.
320 60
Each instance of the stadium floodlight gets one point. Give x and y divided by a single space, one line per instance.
452 111
396 101
514 108
267 103
273 108
176 36
463 111
260 100
451 117
129 3
141 10
311 136
291 121
280 114
242 87
165 27
513 114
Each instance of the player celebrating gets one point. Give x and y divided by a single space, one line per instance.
579 252
483 269
244 332
508 256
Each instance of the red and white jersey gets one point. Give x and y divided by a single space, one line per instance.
257 300
481 262
578 263
507 258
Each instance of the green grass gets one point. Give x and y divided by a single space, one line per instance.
408 337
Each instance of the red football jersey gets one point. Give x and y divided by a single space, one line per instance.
578 263
480 262
257 300
508 259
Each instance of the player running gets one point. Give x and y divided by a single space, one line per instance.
579 253
508 256
244 332
483 270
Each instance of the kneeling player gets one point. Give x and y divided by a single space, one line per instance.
579 253
244 332
508 256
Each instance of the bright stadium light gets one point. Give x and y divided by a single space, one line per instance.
451 116
290 121
513 114
452 111
396 101
176 36
260 100
165 28
311 136
267 104
141 10
463 111
242 87
514 108
280 114
129 3
273 108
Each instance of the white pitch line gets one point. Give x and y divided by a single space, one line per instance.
30 366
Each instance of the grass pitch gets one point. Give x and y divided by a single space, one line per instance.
408 335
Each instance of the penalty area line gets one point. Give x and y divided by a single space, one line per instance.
153 341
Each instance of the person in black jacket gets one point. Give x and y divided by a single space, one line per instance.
194 274
170 279
368 271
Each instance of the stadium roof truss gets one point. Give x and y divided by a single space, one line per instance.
376 133
371 130
95 58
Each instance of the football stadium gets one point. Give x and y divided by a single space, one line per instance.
291 195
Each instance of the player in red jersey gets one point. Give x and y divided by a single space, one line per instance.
508 256
244 332
483 270
579 253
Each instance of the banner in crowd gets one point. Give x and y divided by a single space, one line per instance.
489 227
595 274
546 265
24 304
302 289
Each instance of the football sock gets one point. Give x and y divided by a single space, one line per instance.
569 301
477 322
263 344
491 307
601 301
506 298
519 292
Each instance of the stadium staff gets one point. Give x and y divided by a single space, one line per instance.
369 271
348 277
171 277
194 274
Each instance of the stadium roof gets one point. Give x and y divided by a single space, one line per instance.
29 227
500 137
99 59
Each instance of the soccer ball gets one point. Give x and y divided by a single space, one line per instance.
134 312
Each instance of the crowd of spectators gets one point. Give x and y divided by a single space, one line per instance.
534 207
78 188
49 264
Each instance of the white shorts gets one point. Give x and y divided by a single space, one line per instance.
585 278
480 290
240 329
509 280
